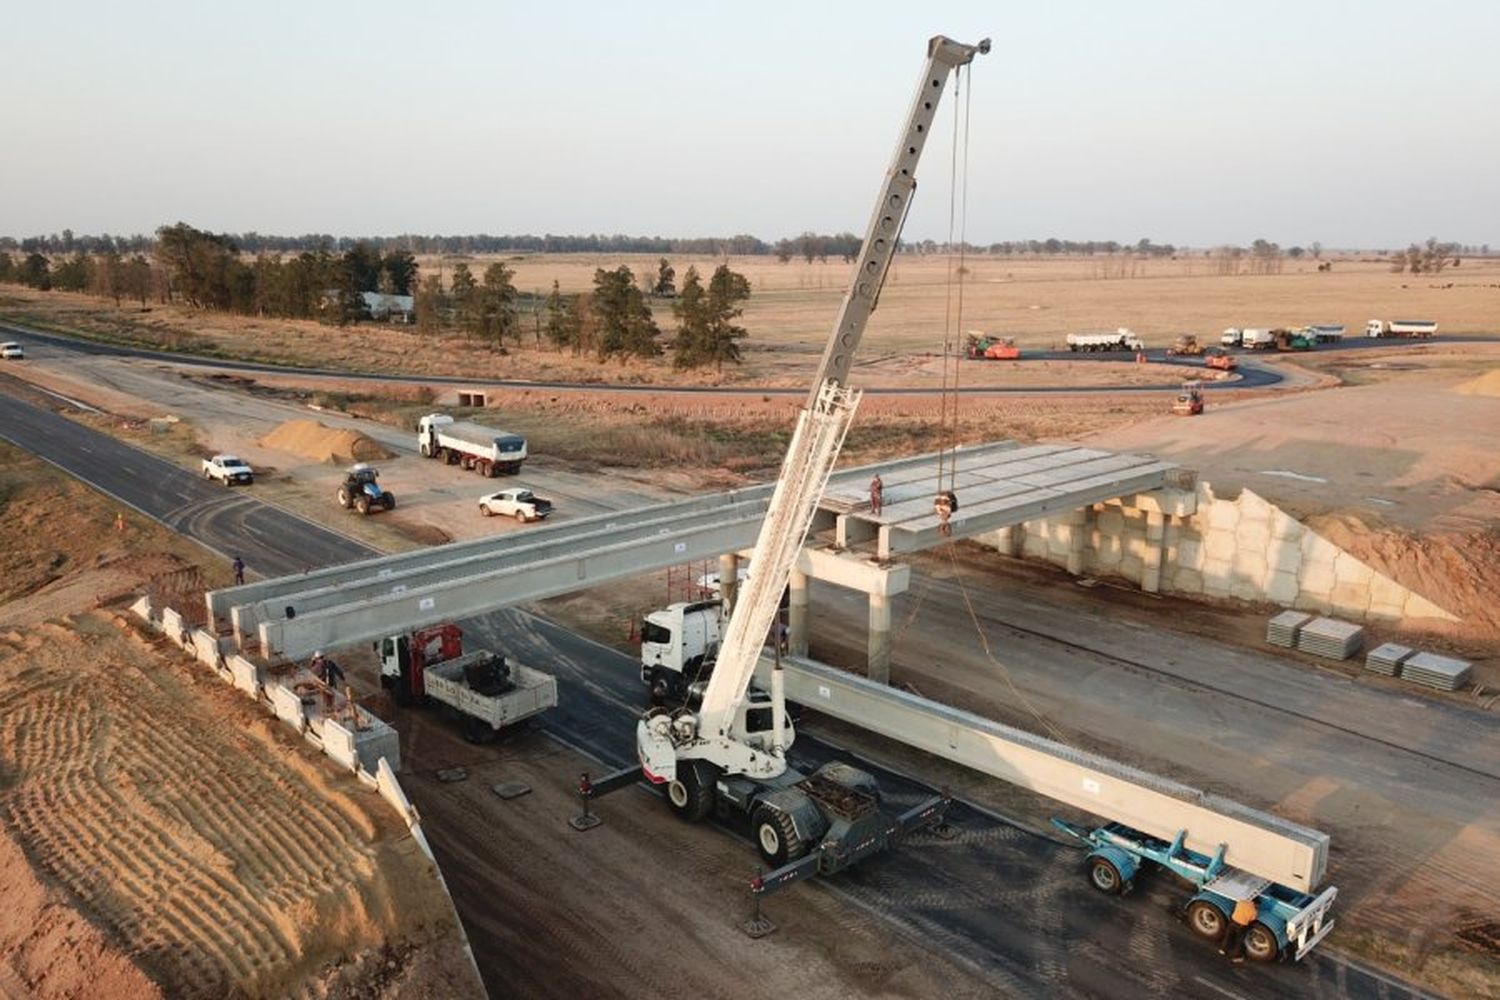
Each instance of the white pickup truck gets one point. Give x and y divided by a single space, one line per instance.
228 470
521 504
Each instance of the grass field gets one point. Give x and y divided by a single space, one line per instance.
793 305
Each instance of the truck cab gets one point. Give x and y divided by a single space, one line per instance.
677 643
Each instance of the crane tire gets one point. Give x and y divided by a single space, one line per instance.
691 793
775 836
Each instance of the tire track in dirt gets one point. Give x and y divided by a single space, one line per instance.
213 868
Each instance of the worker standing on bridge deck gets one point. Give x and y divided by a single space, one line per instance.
944 506
877 491
1235 927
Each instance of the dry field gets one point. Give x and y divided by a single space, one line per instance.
158 834
793 305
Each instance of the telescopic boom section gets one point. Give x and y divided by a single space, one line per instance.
825 419
944 55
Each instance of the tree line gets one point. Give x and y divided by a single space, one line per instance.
207 270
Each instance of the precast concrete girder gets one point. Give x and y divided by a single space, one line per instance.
462 596
1257 842
387 578
1000 507
263 591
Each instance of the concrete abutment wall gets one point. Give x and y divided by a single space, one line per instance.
1244 548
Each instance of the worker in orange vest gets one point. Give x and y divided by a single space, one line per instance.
1239 922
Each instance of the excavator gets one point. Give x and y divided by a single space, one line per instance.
725 749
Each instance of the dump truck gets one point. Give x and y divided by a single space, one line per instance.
487 690
486 450
1186 345
1121 340
1421 328
1257 339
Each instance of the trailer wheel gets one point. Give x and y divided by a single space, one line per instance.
490 470
1205 919
1104 876
691 793
776 836
1261 944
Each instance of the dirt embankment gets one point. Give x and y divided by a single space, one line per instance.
158 834
335 445
217 857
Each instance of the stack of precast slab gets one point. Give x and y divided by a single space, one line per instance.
1282 630
1387 659
1442 673
1330 638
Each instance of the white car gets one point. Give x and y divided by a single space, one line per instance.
521 504
12 351
228 470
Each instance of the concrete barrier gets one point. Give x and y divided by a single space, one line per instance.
287 705
173 626
245 675
338 743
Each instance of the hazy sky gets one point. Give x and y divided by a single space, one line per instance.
1366 124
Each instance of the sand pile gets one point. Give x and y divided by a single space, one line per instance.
1487 384
312 440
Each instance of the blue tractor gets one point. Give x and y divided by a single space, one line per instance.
361 490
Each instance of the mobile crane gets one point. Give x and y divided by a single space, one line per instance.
726 749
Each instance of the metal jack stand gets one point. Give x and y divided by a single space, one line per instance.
759 925
585 820
589 790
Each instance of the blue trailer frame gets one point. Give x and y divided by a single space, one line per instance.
1289 923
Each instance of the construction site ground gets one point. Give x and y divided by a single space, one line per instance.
159 836
1405 836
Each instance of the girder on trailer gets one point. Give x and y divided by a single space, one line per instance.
1258 842
1296 921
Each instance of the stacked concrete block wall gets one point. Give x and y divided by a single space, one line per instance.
1244 548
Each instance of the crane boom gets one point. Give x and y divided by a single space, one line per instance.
809 461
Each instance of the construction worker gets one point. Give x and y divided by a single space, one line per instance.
877 490
1235 927
330 673
944 505
239 570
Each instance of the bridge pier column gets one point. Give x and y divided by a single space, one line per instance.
797 614
1156 534
879 656
729 578
1080 525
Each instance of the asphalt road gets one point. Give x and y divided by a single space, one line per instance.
1008 903
1252 376
272 541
